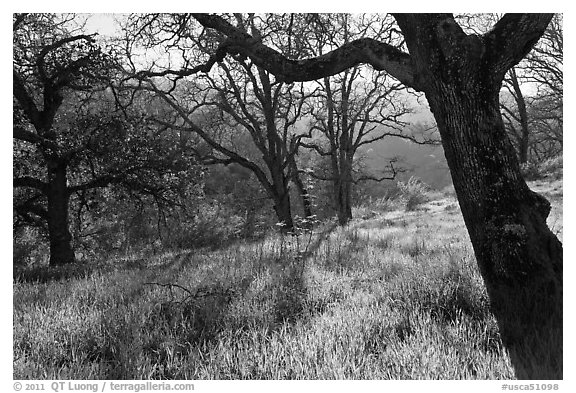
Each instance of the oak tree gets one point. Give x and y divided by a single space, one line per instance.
49 62
70 136
461 76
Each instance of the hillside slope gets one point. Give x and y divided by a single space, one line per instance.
396 294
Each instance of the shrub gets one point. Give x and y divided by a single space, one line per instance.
29 247
551 167
210 227
531 171
414 192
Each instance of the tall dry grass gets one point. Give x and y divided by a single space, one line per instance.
395 296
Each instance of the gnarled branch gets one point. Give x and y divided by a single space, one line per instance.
381 56
512 38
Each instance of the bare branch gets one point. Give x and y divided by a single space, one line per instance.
218 56
381 56
194 128
317 148
393 173
55 45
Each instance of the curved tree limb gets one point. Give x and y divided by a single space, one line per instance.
381 56
48 48
512 38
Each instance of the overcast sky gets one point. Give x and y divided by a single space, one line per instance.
103 24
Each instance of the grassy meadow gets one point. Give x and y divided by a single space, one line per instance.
394 295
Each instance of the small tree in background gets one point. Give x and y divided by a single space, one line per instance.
352 109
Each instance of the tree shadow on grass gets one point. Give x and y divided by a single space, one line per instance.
292 300
81 270
343 254
171 321
44 274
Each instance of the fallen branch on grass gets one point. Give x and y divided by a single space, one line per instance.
201 292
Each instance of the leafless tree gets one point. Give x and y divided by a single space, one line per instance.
236 102
535 120
352 109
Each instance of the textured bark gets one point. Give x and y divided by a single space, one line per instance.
44 137
56 189
343 191
303 192
343 203
61 252
519 258
283 211
277 187
345 158
380 55
306 202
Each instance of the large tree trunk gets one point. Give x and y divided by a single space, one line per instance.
304 196
283 211
519 257
342 185
302 190
279 191
61 252
343 196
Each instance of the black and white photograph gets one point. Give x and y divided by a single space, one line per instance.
275 196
